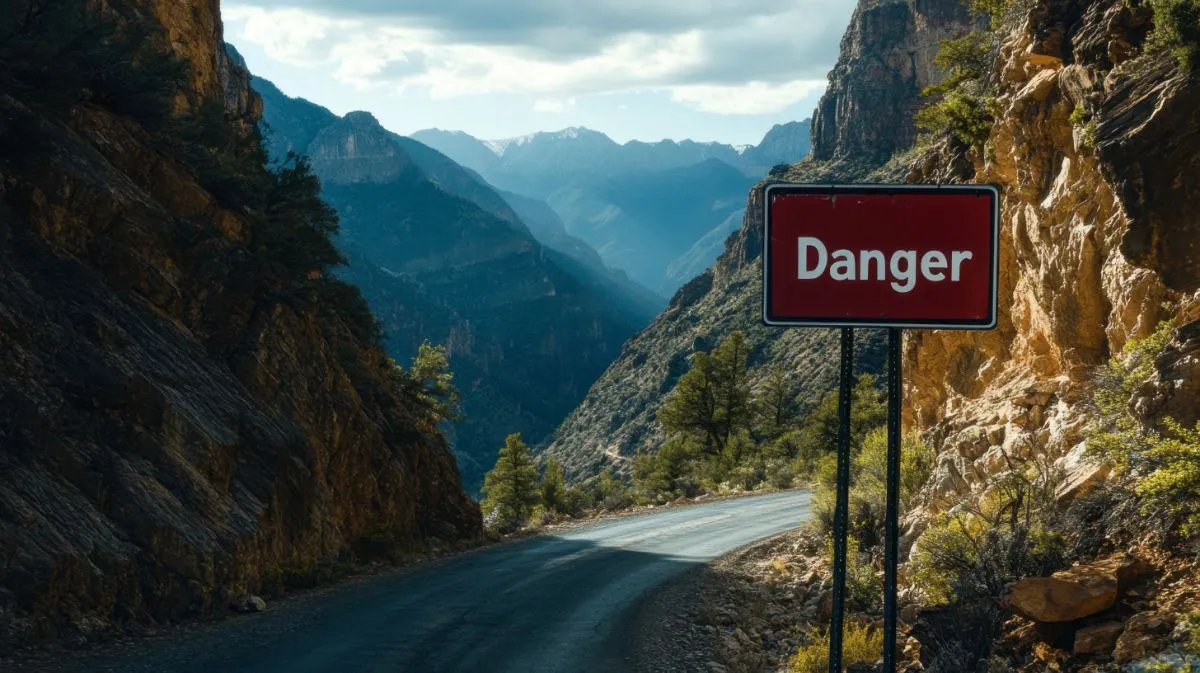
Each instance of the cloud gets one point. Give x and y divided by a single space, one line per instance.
553 106
749 99
728 56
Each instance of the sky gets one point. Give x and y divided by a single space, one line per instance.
709 70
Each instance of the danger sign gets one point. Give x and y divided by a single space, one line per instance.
881 255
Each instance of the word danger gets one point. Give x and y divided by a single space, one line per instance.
902 268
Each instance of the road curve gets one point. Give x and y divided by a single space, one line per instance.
546 604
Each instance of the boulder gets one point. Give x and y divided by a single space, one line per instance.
1077 592
1098 639
249 603
1062 599
1145 633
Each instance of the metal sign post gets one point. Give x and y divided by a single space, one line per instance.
841 512
891 517
894 256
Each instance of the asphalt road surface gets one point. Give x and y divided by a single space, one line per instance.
548 604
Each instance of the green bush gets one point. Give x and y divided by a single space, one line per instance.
1162 462
1080 119
861 644
1177 30
962 115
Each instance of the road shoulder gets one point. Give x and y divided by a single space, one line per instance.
746 611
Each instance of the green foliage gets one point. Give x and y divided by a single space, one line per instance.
779 169
1082 120
965 116
59 53
1171 481
711 402
775 403
974 551
968 58
669 473
861 644
818 434
610 493
1177 30
993 9
554 488
430 371
343 302
510 489
1163 461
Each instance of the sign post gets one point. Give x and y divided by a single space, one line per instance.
893 256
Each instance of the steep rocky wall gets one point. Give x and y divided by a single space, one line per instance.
1097 244
174 430
886 60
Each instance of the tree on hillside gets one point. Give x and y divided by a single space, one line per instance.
775 403
732 388
691 409
510 489
669 472
818 432
711 402
554 487
431 370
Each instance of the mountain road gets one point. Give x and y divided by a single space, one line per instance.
552 603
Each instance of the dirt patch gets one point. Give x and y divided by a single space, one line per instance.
755 607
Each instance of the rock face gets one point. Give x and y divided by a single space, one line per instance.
178 425
886 60
439 255
1093 245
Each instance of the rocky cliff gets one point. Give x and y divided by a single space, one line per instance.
1098 245
886 60
185 415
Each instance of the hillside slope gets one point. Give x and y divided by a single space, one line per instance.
186 414
441 256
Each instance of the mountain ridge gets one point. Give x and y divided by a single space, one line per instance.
440 255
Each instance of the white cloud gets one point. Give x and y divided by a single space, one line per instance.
554 105
748 99
759 60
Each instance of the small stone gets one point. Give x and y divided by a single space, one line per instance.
1145 633
250 603
1098 639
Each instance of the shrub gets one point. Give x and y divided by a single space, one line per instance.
962 115
1163 462
861 644
1177 30
1083 121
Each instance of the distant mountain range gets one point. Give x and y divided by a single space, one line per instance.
660 211
530 315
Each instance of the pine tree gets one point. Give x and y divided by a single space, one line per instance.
510 489
691 409
775 403
733 410
554 487
431 370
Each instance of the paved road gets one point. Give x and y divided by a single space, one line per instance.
548 604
